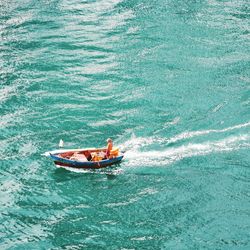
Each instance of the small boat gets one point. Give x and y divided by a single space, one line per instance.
92 158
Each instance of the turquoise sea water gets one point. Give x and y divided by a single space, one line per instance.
168 80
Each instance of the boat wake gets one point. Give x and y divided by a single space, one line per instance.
139 151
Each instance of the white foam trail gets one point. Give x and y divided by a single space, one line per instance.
135 143
165 157
105 171
186 135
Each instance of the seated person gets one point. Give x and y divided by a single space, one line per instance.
88 155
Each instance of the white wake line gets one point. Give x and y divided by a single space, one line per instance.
135 143
103 171
152 158
191 134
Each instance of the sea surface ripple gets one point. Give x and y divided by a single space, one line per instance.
168 80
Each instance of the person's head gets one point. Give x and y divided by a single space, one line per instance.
109 140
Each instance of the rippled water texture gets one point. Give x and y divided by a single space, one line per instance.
168 80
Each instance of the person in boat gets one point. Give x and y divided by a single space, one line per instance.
109 148
88 155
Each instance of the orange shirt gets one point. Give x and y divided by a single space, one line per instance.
109 148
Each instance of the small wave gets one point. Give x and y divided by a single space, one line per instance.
106 171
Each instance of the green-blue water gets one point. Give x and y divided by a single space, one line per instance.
168 80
